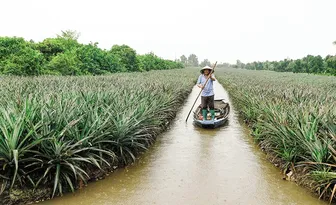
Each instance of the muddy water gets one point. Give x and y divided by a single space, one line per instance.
189 165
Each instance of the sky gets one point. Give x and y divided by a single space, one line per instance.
218 30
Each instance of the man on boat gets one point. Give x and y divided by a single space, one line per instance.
207 97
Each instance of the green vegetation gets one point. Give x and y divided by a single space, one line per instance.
192 61
152 62
292 116
55 131
64 55
308 64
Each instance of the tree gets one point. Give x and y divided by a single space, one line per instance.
26 62
69 35
152 62
331 64
205 62
65 64
283 65
239 64
126 56
296 66
223 65
93 60
50 47
19 57
184 59
192 60
317 64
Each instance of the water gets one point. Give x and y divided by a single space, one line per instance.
190 165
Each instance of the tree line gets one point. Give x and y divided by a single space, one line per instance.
64 55
192 61
307 64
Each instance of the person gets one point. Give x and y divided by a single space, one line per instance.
207 97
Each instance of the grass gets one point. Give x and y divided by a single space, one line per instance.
55 130
292 116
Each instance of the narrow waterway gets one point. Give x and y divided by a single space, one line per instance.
190 165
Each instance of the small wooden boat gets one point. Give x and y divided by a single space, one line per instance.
222 110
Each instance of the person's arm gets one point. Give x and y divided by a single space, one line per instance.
199 82
212 77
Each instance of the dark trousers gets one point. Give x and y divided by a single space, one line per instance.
208 101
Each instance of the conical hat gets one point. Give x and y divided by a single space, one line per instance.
206 68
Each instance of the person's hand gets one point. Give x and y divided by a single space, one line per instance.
200 85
